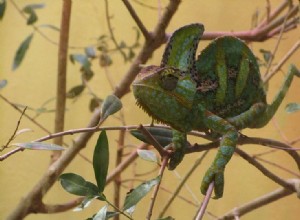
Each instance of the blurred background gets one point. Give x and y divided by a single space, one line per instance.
33 84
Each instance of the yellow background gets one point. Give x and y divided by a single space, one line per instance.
35 82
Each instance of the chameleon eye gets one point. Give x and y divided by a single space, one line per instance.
169 82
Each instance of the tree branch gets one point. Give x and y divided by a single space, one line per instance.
62 76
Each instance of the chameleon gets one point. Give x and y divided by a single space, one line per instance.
219 92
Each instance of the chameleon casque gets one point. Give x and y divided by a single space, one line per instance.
220 93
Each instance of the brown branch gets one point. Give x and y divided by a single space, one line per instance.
165 160
62 76
204 204
50 209
117 179
261 201
136 19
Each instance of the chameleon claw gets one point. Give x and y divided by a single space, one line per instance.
175 159
216 176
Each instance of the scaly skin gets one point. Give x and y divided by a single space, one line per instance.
219 93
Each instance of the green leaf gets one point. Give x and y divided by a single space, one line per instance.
163 136
105 60
30 10
94 103
77 185
110 105
292 107
50 26
21 52
140 192
80 58
38 146
2 8
101 160
101 215
266 54
3 83
75 91
147 155
85 203
90 52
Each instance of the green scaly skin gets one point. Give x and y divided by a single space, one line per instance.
220 93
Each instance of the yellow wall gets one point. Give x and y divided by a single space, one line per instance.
34 82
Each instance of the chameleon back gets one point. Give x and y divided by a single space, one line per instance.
228 78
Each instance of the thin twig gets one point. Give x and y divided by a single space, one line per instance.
15 131
294 48
155 192
204 204
153 141
117 180
136 19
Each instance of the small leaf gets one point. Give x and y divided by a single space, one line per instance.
94 103
2 8
163 136
30 10
101 215
105 60
23 131
138 193
292 107
90 52
75 91
38 146
266 54
84 204
50 26
101 160
77 185
110 105
147 155
3 83
21 52
80 58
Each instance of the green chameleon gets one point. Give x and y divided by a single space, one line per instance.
220 93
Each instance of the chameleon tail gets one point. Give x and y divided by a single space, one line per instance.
272 108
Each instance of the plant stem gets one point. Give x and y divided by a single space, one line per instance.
62 75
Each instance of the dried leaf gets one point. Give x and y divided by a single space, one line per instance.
38 146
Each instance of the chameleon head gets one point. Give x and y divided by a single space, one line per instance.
166 94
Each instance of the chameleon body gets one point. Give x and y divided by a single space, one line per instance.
220 92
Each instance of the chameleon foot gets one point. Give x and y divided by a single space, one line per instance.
215 175
175 159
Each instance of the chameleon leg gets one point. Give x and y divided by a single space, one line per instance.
227 146
246 118
272 108
179 144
